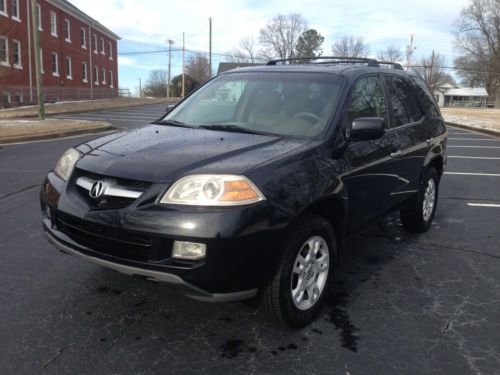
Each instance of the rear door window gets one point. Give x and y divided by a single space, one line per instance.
405 107
367 100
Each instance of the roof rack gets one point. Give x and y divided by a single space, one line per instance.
338 60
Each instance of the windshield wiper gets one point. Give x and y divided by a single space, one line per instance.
172 123
231 128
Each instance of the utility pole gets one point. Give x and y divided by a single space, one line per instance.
409 52
210 45
38 72
431 72
183 62
140 88
170 42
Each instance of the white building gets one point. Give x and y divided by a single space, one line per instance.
449 95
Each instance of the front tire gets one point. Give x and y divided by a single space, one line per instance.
419 212
298 289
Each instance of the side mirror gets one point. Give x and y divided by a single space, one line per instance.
367 129
170 107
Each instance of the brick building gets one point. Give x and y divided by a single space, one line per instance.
78 54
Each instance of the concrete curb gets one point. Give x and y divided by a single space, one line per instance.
495 133
49 136
68 112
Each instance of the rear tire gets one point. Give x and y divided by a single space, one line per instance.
300 286
419 212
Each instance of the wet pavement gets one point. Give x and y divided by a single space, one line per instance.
400 304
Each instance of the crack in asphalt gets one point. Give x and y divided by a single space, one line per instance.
20 191
459 249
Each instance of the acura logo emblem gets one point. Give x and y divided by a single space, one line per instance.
96 190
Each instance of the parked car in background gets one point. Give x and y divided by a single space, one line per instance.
249 187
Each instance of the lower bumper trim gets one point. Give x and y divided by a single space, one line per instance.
192 291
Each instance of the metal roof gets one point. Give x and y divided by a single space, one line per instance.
467 91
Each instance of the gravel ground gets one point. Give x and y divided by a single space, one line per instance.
478 118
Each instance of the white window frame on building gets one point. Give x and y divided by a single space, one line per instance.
103 76
110 46
7 95
5 60
95 44
16 50
41 61
55 63
111 78
15 6
39 16
96 75
69 68
84 72
18 97
3 8
53 23
103 51
83 40
67 30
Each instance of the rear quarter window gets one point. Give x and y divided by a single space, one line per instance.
405 106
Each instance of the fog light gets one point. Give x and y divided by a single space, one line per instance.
188 250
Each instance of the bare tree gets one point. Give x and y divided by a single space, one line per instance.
478 44
198 67
309 44
156 85
350 46
281 34
430 69
391 54
246 52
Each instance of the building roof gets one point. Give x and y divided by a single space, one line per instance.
467 91
225 66
75 12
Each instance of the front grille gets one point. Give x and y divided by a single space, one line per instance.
108 202
115 242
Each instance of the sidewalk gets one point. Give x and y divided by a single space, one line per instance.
28 130
80 106
479 119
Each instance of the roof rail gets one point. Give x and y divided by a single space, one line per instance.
334 60
339 60
394 65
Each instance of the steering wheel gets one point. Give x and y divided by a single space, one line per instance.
308 116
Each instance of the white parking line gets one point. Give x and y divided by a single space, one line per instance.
473 174
475 139
472 157
103 118
465 146
483 205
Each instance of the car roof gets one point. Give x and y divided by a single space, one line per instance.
344 69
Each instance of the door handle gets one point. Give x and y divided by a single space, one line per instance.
429 140
395 154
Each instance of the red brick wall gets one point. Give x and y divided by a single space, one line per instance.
58 87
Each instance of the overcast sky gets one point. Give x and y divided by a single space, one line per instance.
146 25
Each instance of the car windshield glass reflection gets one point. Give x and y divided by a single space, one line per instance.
295 104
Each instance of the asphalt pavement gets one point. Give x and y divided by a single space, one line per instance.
401 303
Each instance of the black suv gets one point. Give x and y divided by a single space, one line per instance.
248 187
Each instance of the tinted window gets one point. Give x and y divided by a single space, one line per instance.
405 107
367 100
426 98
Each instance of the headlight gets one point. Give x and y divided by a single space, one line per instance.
212 190
66 163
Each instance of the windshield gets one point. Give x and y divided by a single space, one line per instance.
286 103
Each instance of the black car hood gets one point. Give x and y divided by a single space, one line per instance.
159 153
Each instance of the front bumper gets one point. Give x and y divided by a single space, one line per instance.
187 289
242 248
